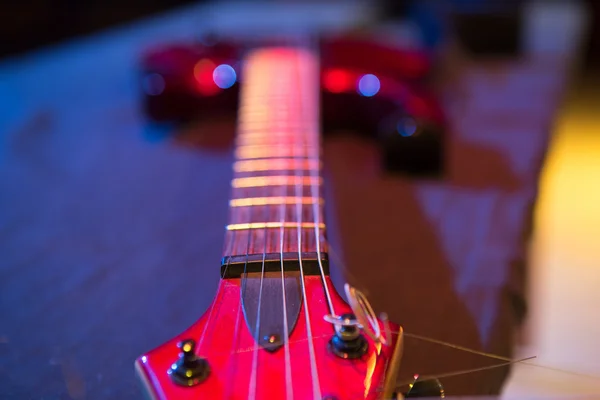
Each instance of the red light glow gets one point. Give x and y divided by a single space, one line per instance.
338 80
203 73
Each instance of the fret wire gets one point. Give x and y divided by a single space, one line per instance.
263 225
281 139
266 155
247 142
268 151
275 200
276 164
269 124
261 181
273 132
282 145
261 117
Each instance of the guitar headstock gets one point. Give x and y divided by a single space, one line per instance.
325 356
366 87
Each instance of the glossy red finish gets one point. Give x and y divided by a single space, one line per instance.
413 99
189 91
186 75
239 371
374 57
338 80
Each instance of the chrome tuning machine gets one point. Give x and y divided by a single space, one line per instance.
348 341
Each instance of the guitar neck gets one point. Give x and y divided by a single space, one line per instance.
276 207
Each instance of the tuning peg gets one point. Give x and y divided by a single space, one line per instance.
425 388
189 369
348 342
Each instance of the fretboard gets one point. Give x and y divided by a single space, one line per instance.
276 205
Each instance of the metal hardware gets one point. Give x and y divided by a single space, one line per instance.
348 342
189 369
429 388
393 368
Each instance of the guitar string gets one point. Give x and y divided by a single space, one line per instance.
315 194
506 360
491 355
237 318
243 279
424 378
252 387
282 219
228 250
286 345
299 192
523 361
228 253
289 385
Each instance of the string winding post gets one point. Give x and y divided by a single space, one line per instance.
365 317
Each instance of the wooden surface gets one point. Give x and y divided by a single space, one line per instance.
111 238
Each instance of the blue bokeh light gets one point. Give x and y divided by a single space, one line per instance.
406 127
224 76
154 84
368 85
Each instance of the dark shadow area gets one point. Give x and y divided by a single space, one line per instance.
31 24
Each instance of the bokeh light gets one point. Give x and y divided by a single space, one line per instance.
224 76
368 85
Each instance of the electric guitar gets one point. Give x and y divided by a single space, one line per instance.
277 327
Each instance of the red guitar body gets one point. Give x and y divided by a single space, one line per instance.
224 339
402 114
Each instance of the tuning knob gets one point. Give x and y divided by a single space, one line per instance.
425 388
189 369
348 342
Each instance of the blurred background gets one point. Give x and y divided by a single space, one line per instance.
30 24
540 60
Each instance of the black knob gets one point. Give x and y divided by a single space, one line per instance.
348 342
189 369
425 388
